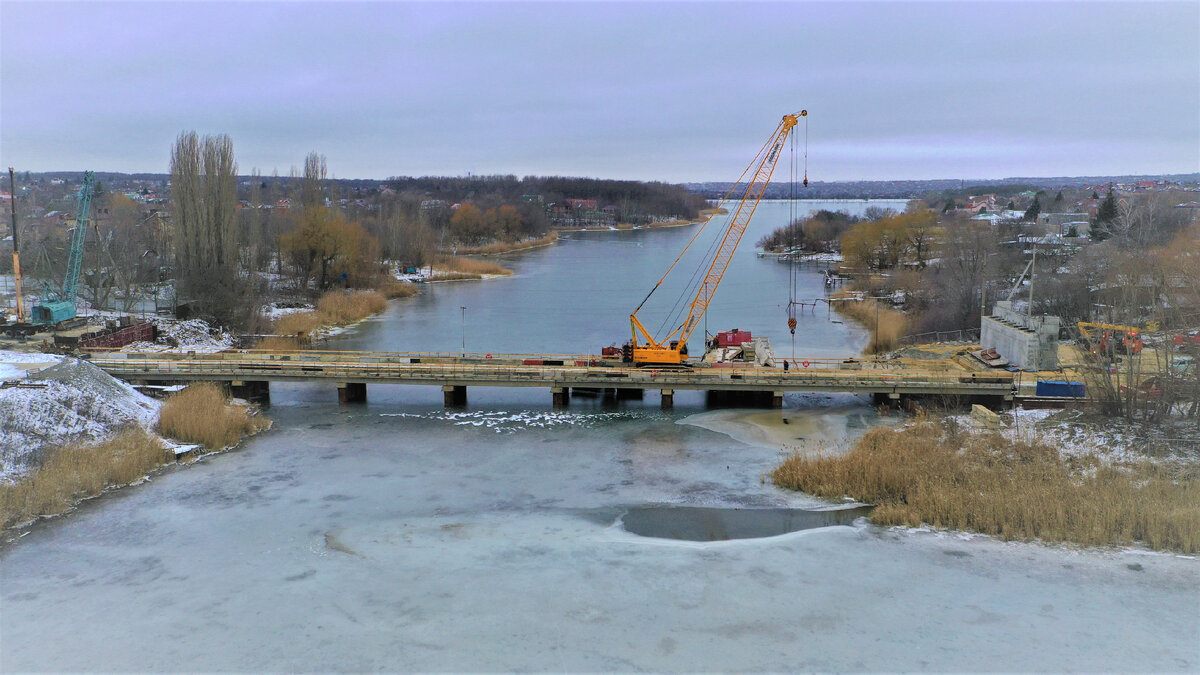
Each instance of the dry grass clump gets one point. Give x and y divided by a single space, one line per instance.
202 413
277 343
77 471
456 276
929 474
886 325
469 266
296 323
508 246
393 288
335 308
340 308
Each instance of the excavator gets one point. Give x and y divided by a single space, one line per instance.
645 349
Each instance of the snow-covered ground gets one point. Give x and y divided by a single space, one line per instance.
274 310
64 400
192 335
1112 441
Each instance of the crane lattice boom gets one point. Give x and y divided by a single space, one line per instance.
673 348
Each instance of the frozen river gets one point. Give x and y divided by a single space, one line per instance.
399 536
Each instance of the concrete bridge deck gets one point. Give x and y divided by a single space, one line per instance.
252 370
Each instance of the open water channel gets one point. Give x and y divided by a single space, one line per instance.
395 535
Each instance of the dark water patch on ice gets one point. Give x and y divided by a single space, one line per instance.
703 523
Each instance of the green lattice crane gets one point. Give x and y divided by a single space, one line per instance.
60 306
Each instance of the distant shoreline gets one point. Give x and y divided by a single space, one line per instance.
705 214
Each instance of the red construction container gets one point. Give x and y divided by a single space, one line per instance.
733 338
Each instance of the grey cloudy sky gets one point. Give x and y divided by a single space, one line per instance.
675 91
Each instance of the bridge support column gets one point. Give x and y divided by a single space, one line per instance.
777 399
352 392
668 399
252 390
561 396
454 396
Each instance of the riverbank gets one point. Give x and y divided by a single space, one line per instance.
885 325
335 312
58 450
936 472
705 214
499 247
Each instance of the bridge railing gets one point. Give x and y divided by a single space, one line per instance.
351 366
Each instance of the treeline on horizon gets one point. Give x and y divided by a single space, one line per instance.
631 198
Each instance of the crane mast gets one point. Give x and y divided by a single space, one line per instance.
61 306
673 348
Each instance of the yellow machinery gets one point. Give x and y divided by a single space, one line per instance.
1125 338
12 181
644 349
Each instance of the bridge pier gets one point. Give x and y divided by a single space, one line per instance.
630 394
888 398
668 399
352 392
252 390
777 399
454 396
561 396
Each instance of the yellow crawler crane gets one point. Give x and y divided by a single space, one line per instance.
644 349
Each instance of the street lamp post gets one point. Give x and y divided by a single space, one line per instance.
464 329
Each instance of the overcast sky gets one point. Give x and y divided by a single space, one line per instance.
675 91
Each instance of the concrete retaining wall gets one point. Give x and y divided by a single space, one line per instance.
1028 343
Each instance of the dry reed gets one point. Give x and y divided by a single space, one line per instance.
885 324
335 308
469 266
341 308
202 413
508 246
77 471
393 288
928 473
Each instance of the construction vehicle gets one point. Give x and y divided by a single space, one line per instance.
59 307
644 348
1126 339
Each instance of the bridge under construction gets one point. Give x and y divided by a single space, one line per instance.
249 373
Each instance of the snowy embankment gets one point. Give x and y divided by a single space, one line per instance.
48 400
192 335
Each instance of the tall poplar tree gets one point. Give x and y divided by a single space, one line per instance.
204 218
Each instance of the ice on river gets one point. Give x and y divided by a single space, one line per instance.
348 538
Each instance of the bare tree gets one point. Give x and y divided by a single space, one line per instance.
204 212
312 188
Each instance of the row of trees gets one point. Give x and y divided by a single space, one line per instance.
892 241
319 234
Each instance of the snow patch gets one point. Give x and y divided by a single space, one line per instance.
79 402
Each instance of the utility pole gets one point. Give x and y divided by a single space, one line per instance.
12 182
464 329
